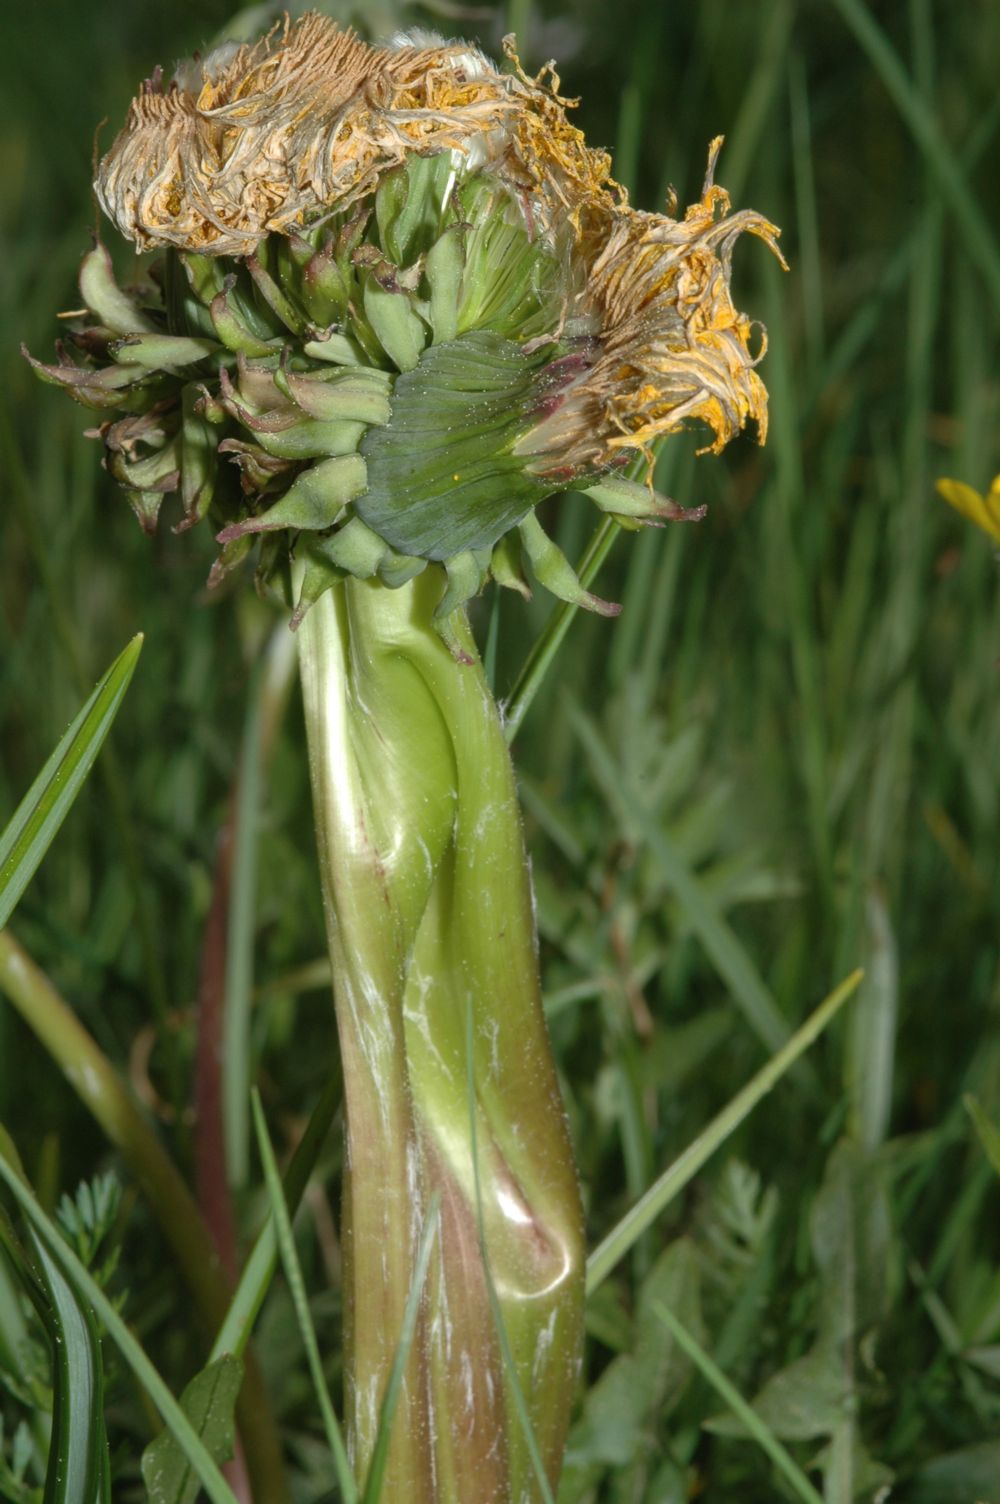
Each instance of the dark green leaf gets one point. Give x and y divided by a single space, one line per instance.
209 1402
79 1465
970 1474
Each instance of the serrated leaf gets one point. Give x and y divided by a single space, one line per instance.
802 1402
851 1227
613 1416
209 1402
648 1381
46 804
674 1281
88 1217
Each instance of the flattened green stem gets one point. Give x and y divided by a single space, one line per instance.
429 913
102 1091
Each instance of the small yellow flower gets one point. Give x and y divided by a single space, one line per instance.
984 511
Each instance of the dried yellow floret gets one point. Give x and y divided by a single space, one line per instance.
265 139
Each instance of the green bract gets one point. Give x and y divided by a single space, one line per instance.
363 394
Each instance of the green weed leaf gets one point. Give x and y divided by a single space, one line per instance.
87 1218
958 1477
209 1403
647 1382
802 1402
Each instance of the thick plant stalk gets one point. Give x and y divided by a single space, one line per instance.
432 941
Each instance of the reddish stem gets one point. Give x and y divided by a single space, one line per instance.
211 1178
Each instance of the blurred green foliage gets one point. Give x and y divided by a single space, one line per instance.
800 706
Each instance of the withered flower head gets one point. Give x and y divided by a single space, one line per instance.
310 118
401 302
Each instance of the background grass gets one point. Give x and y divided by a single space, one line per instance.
779 763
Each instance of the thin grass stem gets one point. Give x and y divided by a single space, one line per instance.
258 1271
763 1435
394 1388
300 1300
612 1249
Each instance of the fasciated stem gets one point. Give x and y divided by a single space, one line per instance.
432 944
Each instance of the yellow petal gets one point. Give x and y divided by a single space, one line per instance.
992 504
984 512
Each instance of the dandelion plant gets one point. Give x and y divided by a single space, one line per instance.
396 302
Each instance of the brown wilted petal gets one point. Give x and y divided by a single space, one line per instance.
673 346
309 118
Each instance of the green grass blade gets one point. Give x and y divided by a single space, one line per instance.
88 1291
644 1213
519 21
724 949
922 119
79 1464
46 804
390 1400
258 1271
22 493
297 1287
759 96
764 1437
989 1133
871 1039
